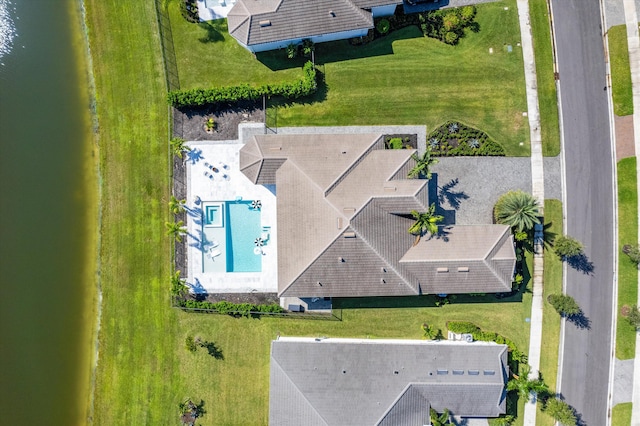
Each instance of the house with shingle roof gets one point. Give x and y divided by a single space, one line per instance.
260 25
383 382
343 214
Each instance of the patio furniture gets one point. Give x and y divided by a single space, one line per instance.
213 253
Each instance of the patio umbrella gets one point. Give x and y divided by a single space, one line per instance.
256 204
259 242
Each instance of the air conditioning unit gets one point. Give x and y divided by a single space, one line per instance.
466 337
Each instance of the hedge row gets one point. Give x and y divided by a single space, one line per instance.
224 307
198 97
486 336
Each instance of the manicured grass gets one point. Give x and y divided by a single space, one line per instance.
551 319
138 378
620 71
236 389
627 270
403 78
547 97
621 414
207 56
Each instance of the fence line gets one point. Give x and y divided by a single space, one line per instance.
166 41
332 316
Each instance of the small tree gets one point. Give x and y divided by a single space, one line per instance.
177 229
430 332
423 164
425 222
560 411
178 286
307 47
176 206
566 246
190 344
564 305
504 420
524 386
178 147
440 419
633 251
633 317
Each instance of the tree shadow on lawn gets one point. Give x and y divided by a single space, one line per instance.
213 31
339 51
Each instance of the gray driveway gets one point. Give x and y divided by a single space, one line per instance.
589 204
466 188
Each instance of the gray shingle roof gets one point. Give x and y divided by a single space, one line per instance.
369 382
263 21
342 222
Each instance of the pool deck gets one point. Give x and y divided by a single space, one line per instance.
221 154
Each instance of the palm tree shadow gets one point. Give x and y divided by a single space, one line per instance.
453 198
580 263
212 32
194 155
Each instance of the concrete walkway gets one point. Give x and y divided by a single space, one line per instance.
537 180
631 19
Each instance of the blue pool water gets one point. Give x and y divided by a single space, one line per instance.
243 226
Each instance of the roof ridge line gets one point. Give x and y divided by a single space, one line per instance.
299 391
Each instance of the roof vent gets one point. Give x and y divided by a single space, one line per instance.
474 372
383 269
489 372
265 23
339 223
349 234
458 372
443 372
463 269
319 283
341 259
332 13
344 371
390 189
442 270
396 372
383 281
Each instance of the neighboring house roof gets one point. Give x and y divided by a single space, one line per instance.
383 382
263 21
343 205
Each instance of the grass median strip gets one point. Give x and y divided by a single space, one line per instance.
621 414
547 97
627 270
550 320
620 71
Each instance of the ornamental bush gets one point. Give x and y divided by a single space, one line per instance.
456 139
566 246
560 411
633 251
564 305
383 26
199 97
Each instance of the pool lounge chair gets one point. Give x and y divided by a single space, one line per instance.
213 253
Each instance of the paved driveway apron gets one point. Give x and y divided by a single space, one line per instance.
589 203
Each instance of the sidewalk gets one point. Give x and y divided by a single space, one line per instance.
631 19
537 177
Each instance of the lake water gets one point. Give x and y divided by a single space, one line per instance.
47 215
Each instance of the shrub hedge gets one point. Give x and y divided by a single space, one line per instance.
486 336
307 85
224 307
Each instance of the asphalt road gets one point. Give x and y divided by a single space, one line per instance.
589 203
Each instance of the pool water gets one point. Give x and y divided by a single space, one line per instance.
243 226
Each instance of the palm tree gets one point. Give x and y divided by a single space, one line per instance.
176 229
176 206
178 147
440 419
178 286
425 222
524 386
517 209
423 164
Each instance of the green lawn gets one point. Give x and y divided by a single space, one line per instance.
547 98
403 78
236 389
621 414
551 319
620 71
627 270
138 379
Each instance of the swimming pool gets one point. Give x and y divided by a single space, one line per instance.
233 227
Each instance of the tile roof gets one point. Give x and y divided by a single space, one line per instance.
383 382
343 215
263 21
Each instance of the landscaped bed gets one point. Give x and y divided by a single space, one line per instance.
402 78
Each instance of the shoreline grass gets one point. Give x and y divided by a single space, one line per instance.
401 78
547 96
627 270
550 319
137 379
620 71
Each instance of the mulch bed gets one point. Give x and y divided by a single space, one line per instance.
189 123
625 146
